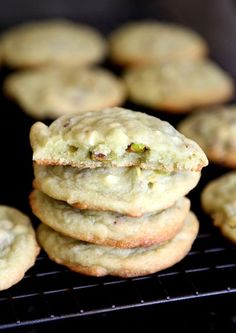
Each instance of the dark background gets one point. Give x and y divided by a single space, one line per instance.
216 21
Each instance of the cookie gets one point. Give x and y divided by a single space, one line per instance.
110 228
151 42
179 86
53 92
128 191
219 201
18 246
97 260
114 137
214 130
226 230
52 42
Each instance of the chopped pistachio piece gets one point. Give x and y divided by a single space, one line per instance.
136 148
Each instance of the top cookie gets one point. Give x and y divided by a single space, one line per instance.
179 86
215 131
18 246
115 137
150 42
54 42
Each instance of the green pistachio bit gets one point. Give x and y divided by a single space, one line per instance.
136 148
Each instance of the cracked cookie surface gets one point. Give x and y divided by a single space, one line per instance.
115 137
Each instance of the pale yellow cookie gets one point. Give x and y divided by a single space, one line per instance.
110 228
18 246
152 42
219 201
97 260
128 191
179 86
55 91
214 129
52 42
115 137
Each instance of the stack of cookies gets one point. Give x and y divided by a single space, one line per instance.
109 191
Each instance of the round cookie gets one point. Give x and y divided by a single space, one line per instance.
52 42
128 191
115 137
18 246
150 42
110 228
179 86
219 201
97 260
214 129
55 91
